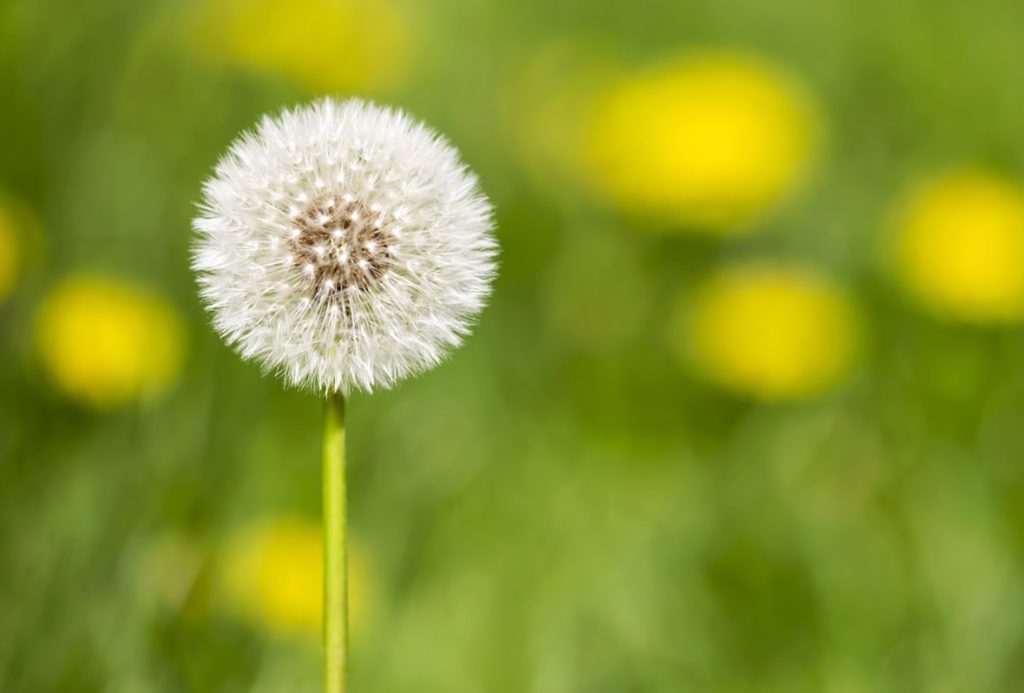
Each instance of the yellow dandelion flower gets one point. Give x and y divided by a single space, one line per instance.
959 247
709 141
770 331
272 574
105 342
322 45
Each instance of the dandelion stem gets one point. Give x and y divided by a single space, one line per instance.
335 549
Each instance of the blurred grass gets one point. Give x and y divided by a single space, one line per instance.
554 509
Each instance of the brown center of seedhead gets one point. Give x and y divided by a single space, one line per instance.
340 243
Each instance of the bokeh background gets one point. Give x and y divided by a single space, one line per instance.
746 412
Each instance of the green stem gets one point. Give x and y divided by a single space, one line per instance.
335 547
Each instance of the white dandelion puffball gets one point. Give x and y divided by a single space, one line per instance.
343 245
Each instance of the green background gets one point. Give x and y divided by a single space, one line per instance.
541 516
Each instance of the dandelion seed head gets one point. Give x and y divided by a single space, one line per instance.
344 246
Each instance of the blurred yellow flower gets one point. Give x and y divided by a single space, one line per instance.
106 342
272 574
9 253
959 247
770 331
322 45
710 141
